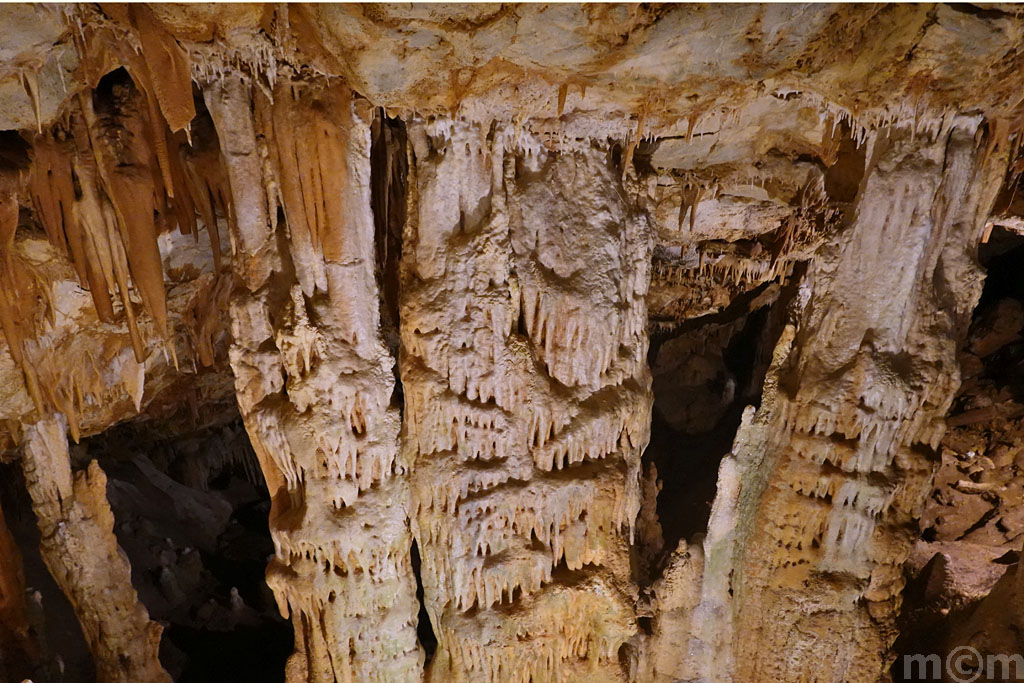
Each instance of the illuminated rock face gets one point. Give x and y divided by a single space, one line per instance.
314 380
836 463
527 400
436 254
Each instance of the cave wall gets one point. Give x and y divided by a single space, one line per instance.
566 351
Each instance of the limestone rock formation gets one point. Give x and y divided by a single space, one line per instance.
81 551
549 342
527 399
314 382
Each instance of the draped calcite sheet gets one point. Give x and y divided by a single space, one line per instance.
314 379
814 513
80 550
523 327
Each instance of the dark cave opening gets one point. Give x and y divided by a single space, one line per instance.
424 628
706 372
205 579
191 515
1001 302
111 87
388 180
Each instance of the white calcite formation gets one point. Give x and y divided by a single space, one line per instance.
433 254
314 380
527 399
829 472
80 550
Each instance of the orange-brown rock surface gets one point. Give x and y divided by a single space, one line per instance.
574 342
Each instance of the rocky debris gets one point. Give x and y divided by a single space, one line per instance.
962 574
993 628
997 327
978 483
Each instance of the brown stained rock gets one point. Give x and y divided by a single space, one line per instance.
994 626
16 642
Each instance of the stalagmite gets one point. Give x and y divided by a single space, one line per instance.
314 383
81 552
852 410
527 401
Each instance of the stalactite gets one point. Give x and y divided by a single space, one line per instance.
311 180
136 165
18 290
328 446
203 316
108 226
690 194
80 550
103 244
527 400
88 230
205 182
167 67
119 143
30 82
53 196
230 103
60 374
